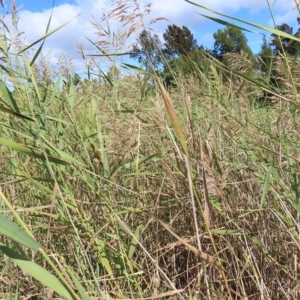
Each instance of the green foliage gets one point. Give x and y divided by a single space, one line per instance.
265 57
113 73
186 65
96 171
76 79
284 44
230 40
178 41
72 80
147 50
184 55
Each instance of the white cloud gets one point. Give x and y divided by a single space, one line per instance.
34 25
285 18
176 11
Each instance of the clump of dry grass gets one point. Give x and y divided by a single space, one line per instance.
284 71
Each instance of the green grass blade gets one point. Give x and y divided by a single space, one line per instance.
110 54
13 231
104 53
46 35
32 152
62 153
33 79
266 28
9 111
78 285
41 47
141 160
37 272
251 80
225 23
71 95
8 96
265 189
36 55
225 232
133 244
103 257
132 67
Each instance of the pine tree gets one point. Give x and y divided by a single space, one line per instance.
178 41
289 46
231 40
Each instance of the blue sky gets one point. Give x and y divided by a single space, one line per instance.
34 15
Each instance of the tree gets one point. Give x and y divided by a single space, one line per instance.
148 46
178 41
76 79
279 43
287 45
230 40
113 73
193 64
294 46
265 57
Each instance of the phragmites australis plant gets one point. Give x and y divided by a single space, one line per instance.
117 185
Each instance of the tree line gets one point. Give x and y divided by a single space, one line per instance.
180 48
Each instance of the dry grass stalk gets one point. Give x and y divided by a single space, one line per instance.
130 15
252 230
282 76
173 117
206 257
241 63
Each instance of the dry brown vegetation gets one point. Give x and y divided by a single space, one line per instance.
138 192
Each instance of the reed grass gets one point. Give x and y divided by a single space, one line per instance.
118 188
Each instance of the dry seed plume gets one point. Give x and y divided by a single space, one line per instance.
131 16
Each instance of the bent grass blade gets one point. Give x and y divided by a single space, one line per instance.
32 152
